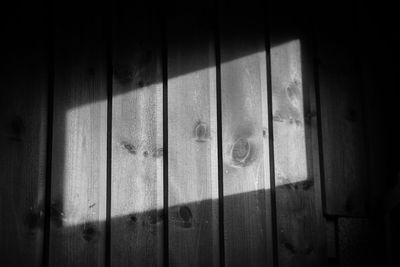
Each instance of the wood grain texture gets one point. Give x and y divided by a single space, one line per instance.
342 118
23 130
300 228
246 184
137 138
78 190
192 138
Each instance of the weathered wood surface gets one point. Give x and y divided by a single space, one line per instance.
246 179
78 186
77 234
137 138
23 130
300 229
342 118
192 138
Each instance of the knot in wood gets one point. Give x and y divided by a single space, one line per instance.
159 152
293 93
89 232
241 152
129 147
351 115
16 128
33 219
56 214
186 215
133 218
201 132
140 83
91 71
155 217
123 73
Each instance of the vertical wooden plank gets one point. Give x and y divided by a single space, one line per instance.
380 110
137 138
300 228
341 98
376 104
246 184
23 127
78 191
331 225
392 246
354 242
391 220
192 137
